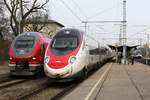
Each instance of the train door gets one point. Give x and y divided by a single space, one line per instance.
85 53
42 51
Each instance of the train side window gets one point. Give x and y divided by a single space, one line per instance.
102 51
94 51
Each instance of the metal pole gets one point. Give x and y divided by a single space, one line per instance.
148 40
19 20
124 30
85 27
147 53
102 21
116 55
140 39
120 35
103 40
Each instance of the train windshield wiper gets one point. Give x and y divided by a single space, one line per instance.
63 47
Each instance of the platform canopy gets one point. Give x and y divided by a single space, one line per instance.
120 48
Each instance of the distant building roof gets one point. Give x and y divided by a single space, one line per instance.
42 21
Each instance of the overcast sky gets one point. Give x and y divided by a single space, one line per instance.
72 12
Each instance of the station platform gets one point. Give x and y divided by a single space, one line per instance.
115 82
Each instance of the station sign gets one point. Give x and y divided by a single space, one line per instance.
146 46
116 45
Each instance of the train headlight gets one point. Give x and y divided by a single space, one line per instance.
72 59
12 59
46 60
34 58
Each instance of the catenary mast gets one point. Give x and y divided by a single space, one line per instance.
124 31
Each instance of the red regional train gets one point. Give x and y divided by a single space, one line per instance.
72 54
27 54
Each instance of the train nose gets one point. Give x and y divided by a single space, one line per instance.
58 73
61 74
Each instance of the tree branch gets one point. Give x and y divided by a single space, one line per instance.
13 6
8 7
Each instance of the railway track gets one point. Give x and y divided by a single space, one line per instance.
49 91
11 82
12 89
5 77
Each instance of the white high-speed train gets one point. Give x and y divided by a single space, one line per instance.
72 54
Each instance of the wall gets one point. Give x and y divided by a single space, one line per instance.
4 51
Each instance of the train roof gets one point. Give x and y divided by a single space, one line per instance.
34 34
29 33
67 31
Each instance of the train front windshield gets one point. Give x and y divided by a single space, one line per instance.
24 42
65 43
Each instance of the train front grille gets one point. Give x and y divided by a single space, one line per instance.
22 65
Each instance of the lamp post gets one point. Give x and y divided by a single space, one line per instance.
116 46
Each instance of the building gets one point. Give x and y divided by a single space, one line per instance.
43 25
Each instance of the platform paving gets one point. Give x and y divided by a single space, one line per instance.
118 86
123 82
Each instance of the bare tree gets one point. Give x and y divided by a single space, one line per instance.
36 22
4 27
23 8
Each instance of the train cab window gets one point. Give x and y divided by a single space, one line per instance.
22 44
65 43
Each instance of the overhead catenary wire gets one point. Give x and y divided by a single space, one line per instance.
77 17
103 11
52 7
143 30
82 12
